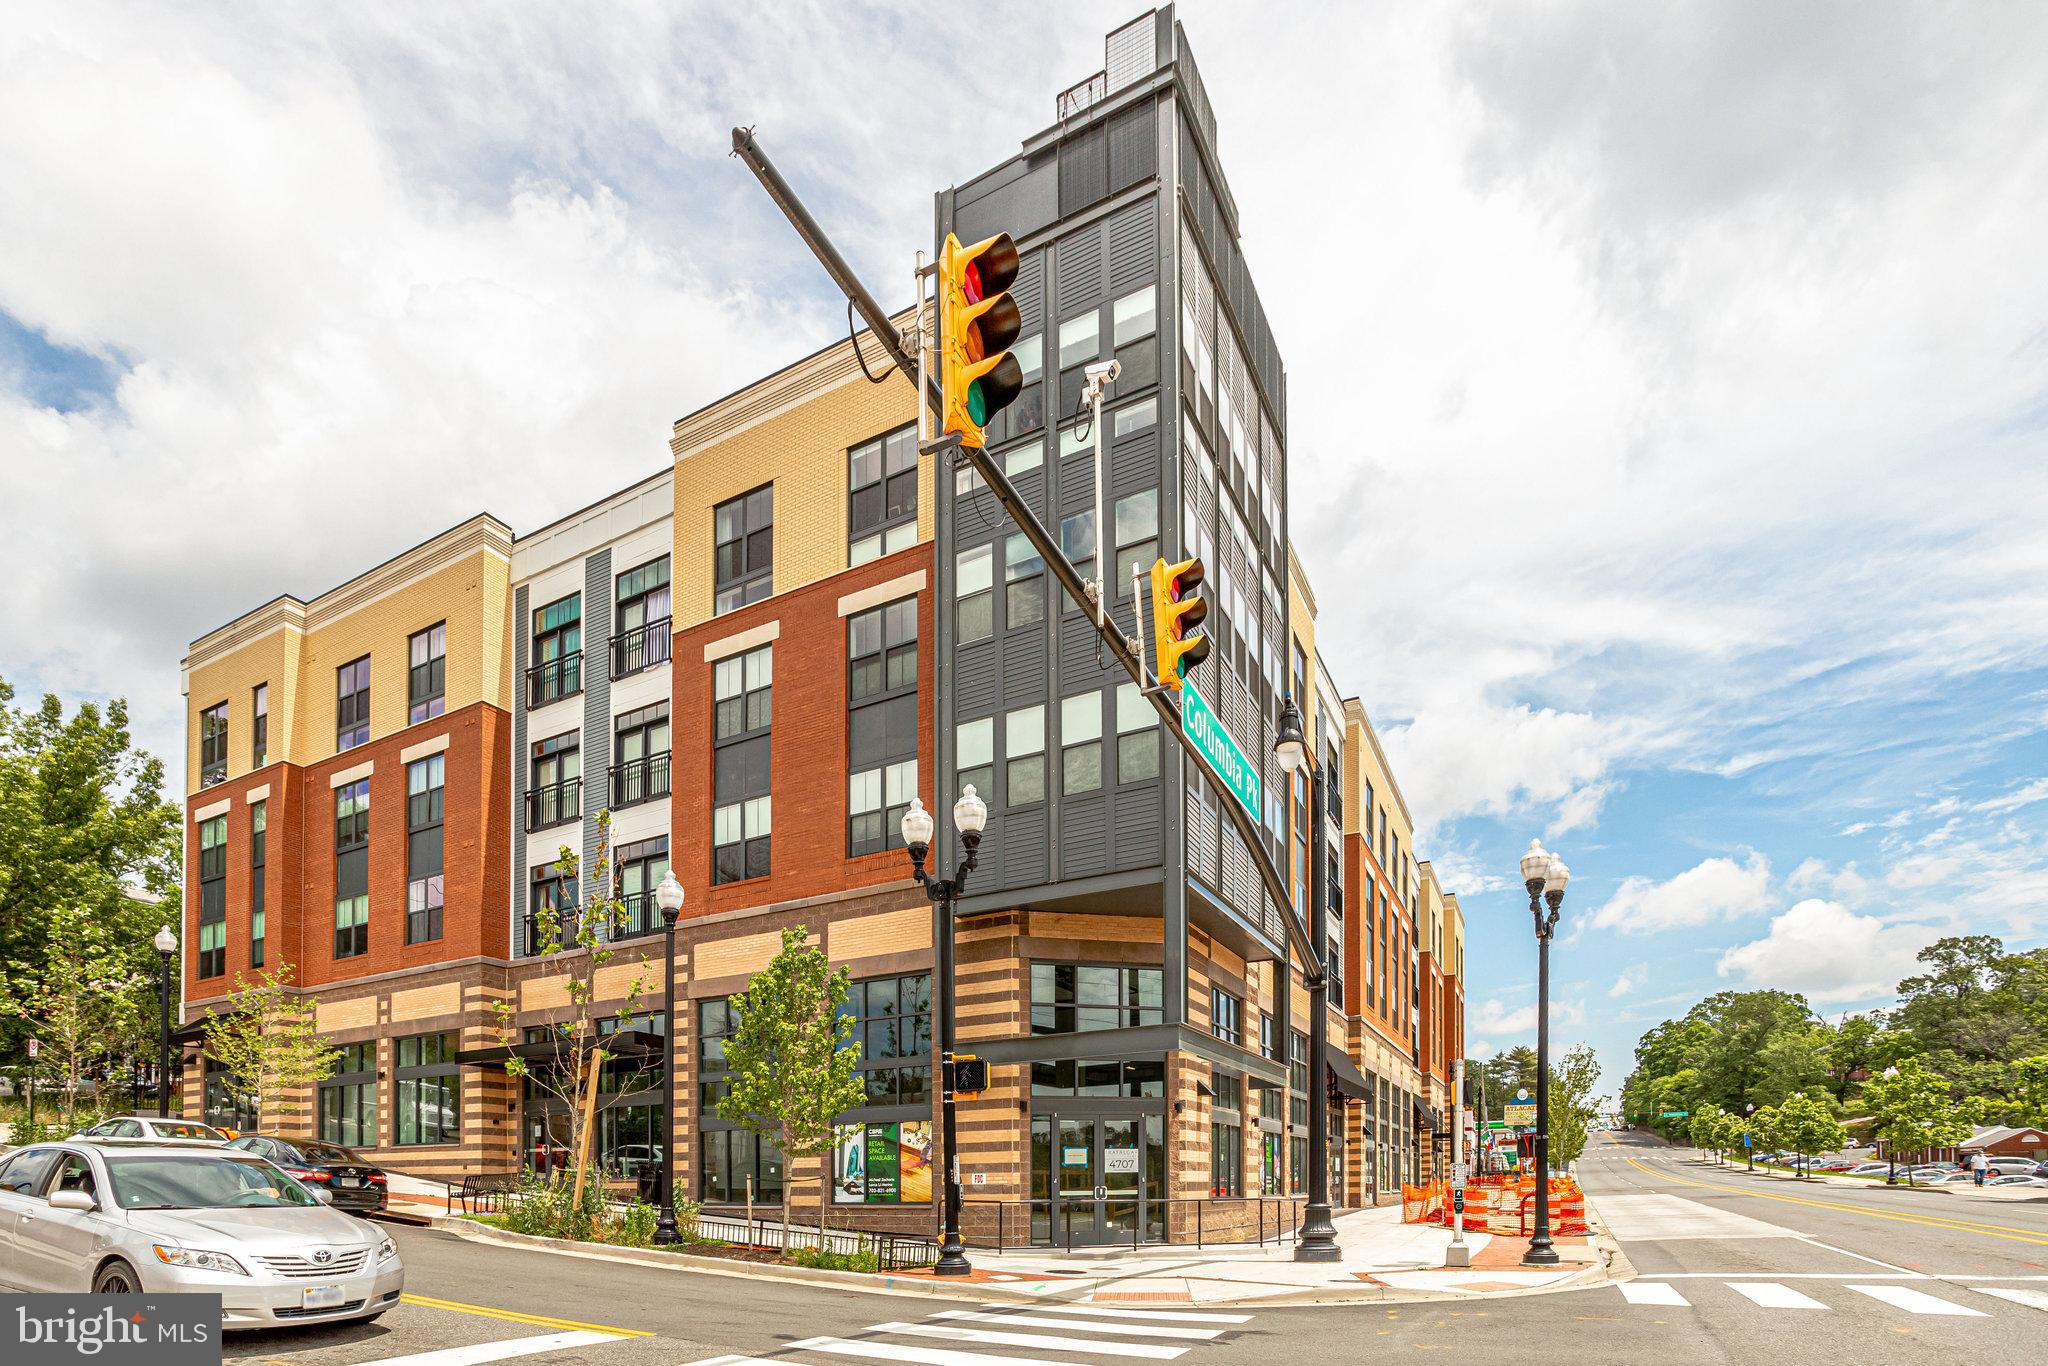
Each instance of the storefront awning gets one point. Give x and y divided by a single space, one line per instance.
1428 1118
1350 1081
634 1045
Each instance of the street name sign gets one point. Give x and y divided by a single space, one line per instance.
1675 1114
1216 744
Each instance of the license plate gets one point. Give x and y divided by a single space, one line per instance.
324 1296
348 1180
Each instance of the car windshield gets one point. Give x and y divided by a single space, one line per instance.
202 1182
166 1129
326 1152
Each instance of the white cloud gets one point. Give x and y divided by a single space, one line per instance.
1495 1016
1713 889
1581 808
1630 979
2036 791
1479 1050
1828 952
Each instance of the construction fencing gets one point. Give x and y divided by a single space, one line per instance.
1497 1204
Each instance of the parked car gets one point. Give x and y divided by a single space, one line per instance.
154 1129
1950 1178
1836 1165
1869 1169
112 1217
2013 1166
356 1183
2016 1180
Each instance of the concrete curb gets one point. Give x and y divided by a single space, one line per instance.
884 1283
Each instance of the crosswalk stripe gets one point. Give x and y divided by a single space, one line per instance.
994 1338
918 1356
735 1361
1771 1295
476 1354
1163 1315
1034 1319
2033 1299
1652 1292
1914 1302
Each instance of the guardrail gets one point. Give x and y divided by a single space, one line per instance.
1210 1218
893 1251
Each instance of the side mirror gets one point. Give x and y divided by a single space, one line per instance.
76 1200
325 1197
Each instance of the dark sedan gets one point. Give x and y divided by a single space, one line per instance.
353 1181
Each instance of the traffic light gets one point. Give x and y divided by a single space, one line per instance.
1177 608
978 321
970 1075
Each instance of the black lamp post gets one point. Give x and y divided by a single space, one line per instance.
1318 1240
1748 1139
970 815
166 947
1545 876
668 896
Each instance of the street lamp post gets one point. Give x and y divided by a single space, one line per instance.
1318 1239
1749 1139
1545 876
668 896
970 814
166 946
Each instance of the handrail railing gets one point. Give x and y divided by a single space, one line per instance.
1282 1223
554 803
551 680
638 780
640 647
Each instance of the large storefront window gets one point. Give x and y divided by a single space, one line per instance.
348 1098
226 1106
731 1158
1068 998
429 1090
893 1026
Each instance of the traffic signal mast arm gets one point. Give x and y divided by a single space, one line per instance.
1123 649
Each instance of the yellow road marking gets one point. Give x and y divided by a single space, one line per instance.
2011 1235
514 1316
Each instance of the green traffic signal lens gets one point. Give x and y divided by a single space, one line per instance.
977 406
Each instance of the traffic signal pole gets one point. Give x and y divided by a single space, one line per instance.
1122 648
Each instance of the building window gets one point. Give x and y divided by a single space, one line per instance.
1077 543
259 827
1137 736
348 1098
641 866
643 618
555 794
881 697
1268 1044
1134 337
1226 1016
424 800
429 1090
426 675
213 744
974 755
352 704
1081 743
1069 998
557 669
1023 583
973 594
551 912
893 1026
641 744
1137 536
745 554
734 1164
227 1107
743 712
213 897
882 484
1024 756
259 733
1226 1155
352 868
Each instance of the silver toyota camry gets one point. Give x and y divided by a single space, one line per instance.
107 1218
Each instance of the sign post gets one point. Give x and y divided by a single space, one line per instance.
1458 1253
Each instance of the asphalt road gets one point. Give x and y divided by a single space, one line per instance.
1831 1275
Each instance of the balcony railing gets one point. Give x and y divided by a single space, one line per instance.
642 917
565 931
638 780
553 679
554 804
640 647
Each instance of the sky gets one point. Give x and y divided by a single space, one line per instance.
1670 384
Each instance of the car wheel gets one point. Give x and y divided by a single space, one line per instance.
117 1278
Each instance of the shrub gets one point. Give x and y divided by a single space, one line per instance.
635 1227
864 1260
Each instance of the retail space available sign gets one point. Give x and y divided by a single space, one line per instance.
883 1164
1216 744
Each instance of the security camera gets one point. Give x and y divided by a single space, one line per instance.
1103 371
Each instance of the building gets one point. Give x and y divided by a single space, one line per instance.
745 666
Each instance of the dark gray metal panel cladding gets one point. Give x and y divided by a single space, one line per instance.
1084 836
1077 269
1026 847
522 638
1019 200
597 690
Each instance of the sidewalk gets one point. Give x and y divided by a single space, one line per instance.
1381 1259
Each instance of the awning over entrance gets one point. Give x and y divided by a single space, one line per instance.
1350 1081
1429 1118
628 1045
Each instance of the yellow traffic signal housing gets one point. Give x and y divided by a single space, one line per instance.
978 322
970 1075
1177 609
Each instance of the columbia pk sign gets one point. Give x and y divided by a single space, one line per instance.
1215 744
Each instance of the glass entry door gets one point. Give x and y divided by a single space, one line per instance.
1106 1175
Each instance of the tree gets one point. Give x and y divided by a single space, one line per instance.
1808 1125
1729 1131
266 1039
1571 1104
84 828
81 996
1706 1128
578 941
1766 1134
792 1058
1910 1110
2030 1090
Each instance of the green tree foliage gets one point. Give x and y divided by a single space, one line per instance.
1807 1125
1495 1081
1766 1132
264 1036
793 1057
83 825
1571 1104
83 997
1706 1128
1910 1110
